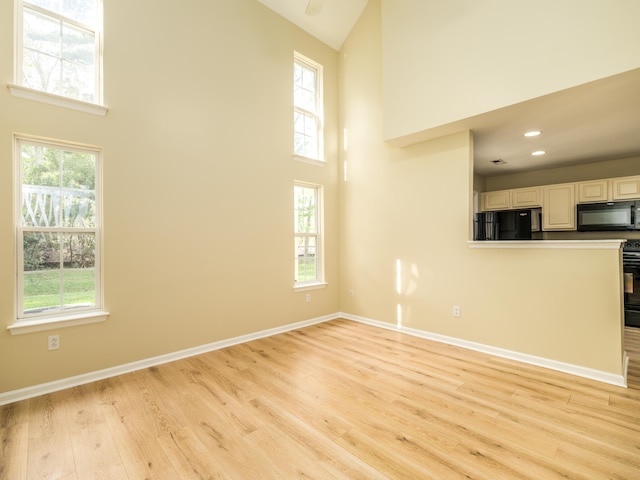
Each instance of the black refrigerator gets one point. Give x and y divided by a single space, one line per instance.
503 225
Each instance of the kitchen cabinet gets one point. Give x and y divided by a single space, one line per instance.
498 200
626 188
559 207
594 191
526 197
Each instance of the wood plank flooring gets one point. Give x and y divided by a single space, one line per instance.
338 400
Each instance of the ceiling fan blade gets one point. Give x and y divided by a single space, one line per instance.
313 7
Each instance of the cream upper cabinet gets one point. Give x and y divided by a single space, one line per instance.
498 200
594 191
530 197
626 188
559 207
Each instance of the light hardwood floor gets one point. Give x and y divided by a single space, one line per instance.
337 400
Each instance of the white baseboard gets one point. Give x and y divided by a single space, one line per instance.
605 377
57 385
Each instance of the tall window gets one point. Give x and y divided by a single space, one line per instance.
307 108
307 237
58 47
58 228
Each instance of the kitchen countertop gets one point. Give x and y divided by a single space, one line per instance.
557 244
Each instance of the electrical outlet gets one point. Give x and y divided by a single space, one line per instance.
456 310
54 342
352 293
308 297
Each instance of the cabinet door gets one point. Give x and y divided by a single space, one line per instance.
626 188
526 197
559 207
498 200
594 191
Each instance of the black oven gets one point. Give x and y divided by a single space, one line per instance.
609 216
631 267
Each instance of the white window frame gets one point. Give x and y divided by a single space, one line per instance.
19 89
31 322
318 115
319 281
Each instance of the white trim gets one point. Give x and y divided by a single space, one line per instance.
306 62
58 100
57 385
556 244
318 235
96 29
605 377
58 321
33 322
309 160
309 286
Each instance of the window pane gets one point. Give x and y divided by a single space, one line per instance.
297 96
41 203
40 206
84 11
305 89
310 126
78 180
42 33
306 260
59 268
79 170
52 5
79 250
41 251
310 147
79 288
305 140
305 210
308 101
78 45
297 74
58 57
40 165
78 65
78 82
298 122
41 71
309 79
298 145
42 291
78 209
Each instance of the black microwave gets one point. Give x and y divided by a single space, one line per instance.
608 216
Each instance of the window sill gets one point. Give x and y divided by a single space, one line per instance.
309 286
58 100
309 160
59 321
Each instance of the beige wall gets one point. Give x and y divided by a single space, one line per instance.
198 183
405 223
198 189
446 61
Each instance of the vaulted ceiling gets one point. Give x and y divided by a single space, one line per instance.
587 123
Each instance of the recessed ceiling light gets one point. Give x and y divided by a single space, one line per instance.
532 133
538 152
